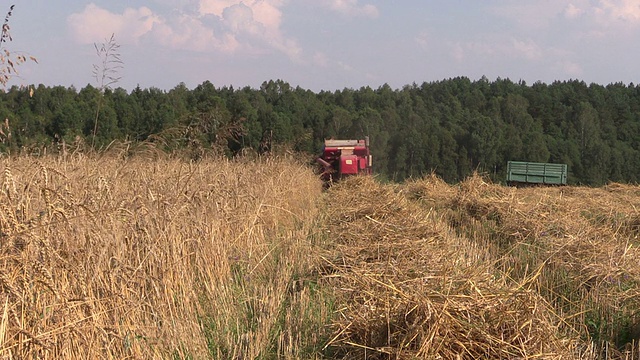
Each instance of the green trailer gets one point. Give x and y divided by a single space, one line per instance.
534 173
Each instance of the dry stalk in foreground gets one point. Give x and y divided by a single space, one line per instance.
111 258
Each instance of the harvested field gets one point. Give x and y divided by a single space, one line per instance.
477 270
102 257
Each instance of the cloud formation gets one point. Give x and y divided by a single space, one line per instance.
496 47
352 8
226 26
597 13
247 27
188 33
95 24
565 27
266 13
620 11
572 11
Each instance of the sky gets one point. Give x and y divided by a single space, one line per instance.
326 44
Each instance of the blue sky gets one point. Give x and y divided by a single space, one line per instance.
328 44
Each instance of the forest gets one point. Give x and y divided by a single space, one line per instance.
450 128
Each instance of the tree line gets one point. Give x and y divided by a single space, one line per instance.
451 127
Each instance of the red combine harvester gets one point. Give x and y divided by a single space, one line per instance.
342 158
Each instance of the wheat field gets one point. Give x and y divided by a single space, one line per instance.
104 258
154 257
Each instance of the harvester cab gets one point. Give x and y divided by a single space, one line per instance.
342 158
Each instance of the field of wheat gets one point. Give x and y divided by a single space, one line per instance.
103 257
110 258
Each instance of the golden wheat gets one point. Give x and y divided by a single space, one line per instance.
116 257
167 258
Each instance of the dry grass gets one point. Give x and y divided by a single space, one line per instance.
108 258
134 258
477 270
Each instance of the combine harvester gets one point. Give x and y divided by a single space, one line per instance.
341 158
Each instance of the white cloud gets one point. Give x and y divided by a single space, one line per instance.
344 66
598 13
187 33
215 7
352 8
572 11
422 39
249 25
239 18
266 13
528 49
496 48
259 20
320 59
571 68
458 52
531 14
95 24
602 19
626 11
